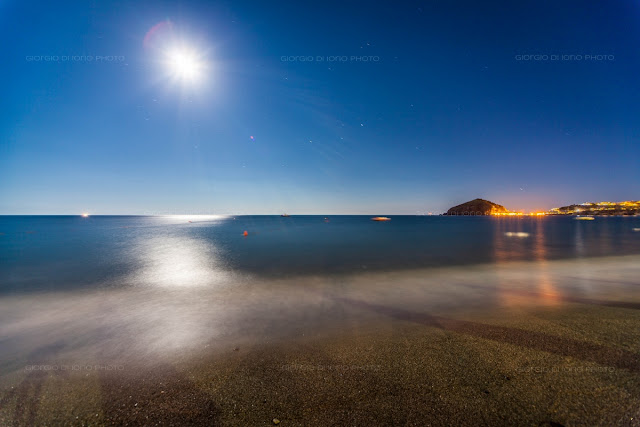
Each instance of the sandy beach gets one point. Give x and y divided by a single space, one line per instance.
515 343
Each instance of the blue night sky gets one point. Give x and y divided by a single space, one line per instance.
444 111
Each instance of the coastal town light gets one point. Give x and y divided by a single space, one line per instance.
628 207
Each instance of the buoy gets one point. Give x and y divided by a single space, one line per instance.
245 234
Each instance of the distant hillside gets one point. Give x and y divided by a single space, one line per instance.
477 207
600 208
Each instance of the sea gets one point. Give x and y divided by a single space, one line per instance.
131 291
63 253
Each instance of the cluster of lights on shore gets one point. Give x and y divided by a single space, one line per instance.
599 206
518 214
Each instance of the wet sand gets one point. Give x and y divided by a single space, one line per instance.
512 344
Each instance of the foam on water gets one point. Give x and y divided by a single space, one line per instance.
162 322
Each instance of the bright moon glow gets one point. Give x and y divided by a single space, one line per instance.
185 65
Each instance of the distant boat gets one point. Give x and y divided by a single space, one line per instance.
284 214
585 217
380 218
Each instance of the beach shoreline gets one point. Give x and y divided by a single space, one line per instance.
517 343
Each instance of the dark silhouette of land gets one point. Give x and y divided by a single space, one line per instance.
477 207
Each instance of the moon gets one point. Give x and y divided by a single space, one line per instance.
185 64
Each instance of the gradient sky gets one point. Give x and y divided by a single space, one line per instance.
446 113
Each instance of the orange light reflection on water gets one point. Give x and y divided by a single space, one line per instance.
510 239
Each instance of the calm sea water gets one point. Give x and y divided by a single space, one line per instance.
51 253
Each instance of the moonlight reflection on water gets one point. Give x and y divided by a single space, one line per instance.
178 262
